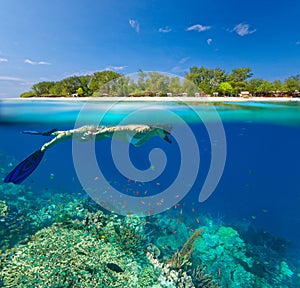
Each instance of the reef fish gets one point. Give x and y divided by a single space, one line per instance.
114 267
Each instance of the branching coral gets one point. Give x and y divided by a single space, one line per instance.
181 258
203 279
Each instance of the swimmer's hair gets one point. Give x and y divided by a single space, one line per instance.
165 127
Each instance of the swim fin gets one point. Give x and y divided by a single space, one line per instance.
25 168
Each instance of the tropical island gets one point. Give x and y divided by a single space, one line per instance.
199 81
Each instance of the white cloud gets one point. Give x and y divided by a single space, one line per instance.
209 41
28 61
43 63
9 78
198 27
134 24
3 60
165 30
178 69
116 68
183 60
243 29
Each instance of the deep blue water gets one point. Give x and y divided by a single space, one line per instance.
259 187
262 164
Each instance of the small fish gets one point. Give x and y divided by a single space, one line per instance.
86 220
220 273
114 267
176 205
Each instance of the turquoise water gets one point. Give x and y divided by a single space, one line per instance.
46 111
241 159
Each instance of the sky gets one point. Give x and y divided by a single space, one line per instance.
50 40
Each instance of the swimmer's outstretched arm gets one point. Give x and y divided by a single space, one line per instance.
136 134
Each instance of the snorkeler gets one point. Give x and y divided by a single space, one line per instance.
135 134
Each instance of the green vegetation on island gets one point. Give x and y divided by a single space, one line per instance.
199 81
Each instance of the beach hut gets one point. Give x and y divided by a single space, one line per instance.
245 94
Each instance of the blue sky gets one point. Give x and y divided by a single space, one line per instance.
50 40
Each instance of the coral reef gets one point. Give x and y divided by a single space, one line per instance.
3 210
78 254
52 239
24 212
170 277
222 255
63 257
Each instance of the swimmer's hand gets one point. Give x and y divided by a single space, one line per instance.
168 139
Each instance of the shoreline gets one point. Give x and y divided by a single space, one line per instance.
160 99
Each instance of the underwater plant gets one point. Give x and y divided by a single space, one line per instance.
182 258
181 261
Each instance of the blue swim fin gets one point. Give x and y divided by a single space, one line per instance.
25 168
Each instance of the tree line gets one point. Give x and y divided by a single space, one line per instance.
201 80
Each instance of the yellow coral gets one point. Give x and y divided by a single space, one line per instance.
181 258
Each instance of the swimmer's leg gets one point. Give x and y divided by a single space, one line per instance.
45 133
25 168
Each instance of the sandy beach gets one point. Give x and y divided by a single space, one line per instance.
163 99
